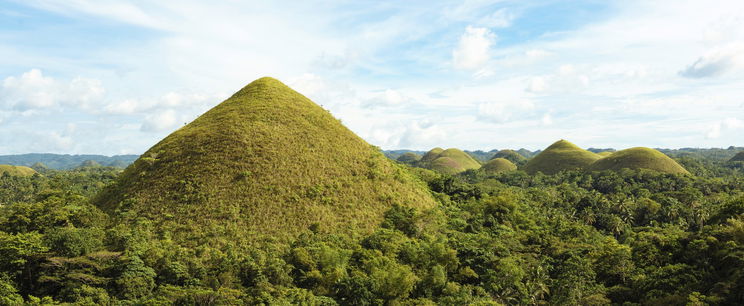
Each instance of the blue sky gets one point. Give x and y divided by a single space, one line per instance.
114 77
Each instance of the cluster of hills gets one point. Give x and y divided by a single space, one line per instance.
561 155
270 162
66 161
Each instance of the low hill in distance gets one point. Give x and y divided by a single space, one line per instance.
450 161
605 153
510 155
231 177
638 158
16 170
498 165
409 158
561 155
66 161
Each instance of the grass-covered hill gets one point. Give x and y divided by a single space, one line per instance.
16 170
739 157
450 161
408 158
561 155
265 162
604 153
431 155
510 155
638 158
498 165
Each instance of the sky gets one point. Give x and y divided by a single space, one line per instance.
116 76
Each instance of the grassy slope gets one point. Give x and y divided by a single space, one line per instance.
638 158
738 157
431 155
265 162
561 155
510 155
464 159
17 170
498 165
605 153
450 161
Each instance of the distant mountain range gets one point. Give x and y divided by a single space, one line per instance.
66 161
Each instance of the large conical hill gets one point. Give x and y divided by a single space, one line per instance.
638 158
561 155
16 170
267 162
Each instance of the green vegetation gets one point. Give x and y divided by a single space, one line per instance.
267 162
638 158
561 155
450 161
604 153
626 237
16 170
498 165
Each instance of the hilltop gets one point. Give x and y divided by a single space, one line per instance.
510 155
498 165
265 162
16 170
450 161
638 158
561 155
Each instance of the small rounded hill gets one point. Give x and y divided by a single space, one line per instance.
409 158
739 157
450 161
561 155
638 158
16 170
265 163
498 165
509 155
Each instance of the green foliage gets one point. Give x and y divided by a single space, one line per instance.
561 155
638 158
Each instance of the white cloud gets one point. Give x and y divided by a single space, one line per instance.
716 61
473 50
32 90
503 111
160 121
